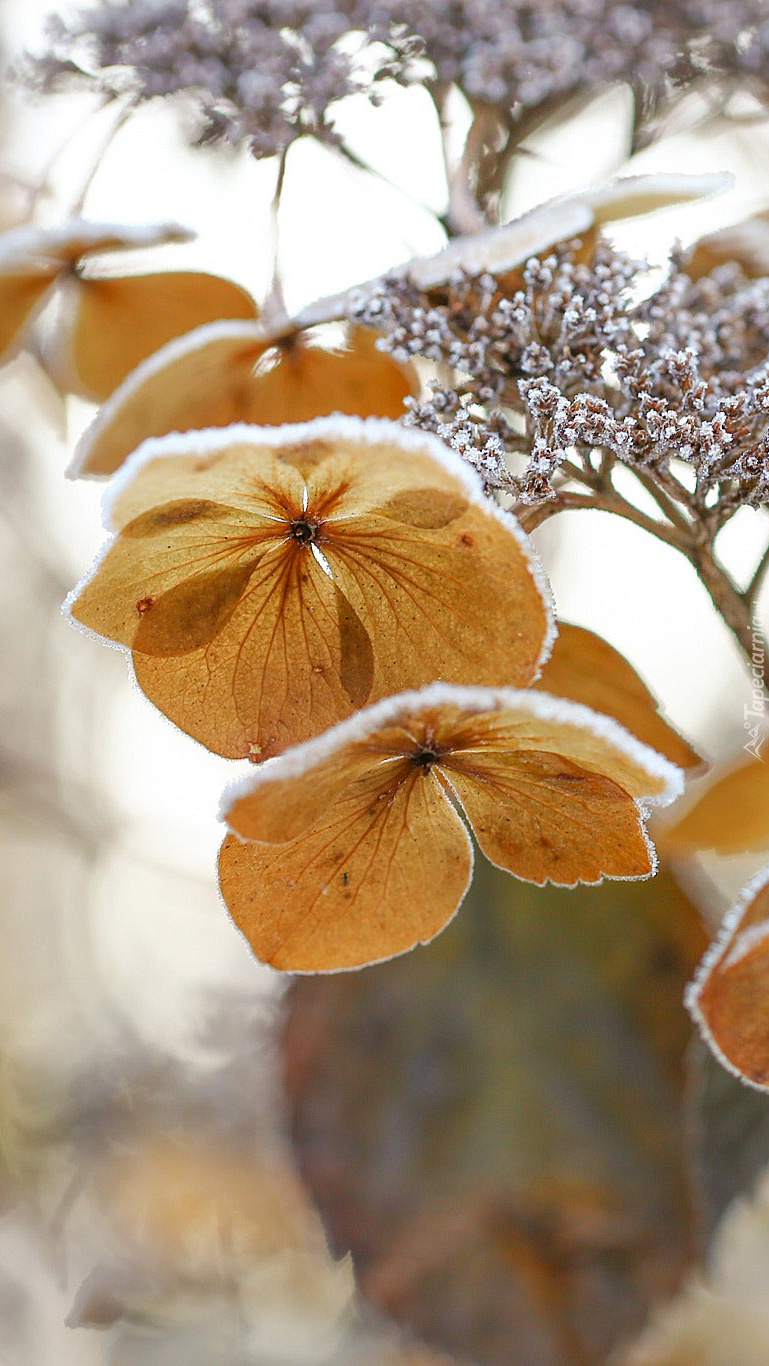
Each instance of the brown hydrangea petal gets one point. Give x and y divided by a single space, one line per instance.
166 541
243 637
324 819
425 594
504 249
416 558
500 250
547 820
731 816
400 482
79 239
285 663
21 294
33 259
534 722
747 243
238 637
585 668
197 381
283 809
109 326
729 998
307 381
633 196
382 870
233 372
241 470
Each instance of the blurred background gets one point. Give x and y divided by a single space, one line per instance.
148 1195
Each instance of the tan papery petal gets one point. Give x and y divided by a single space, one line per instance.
730 997
252 638
237 470
534 811
232 372
32 259
286 663
310 381
425 594
546 819
586 669
731 816
505 724
632 196
20 296
198 381
747 243
109 326
385 869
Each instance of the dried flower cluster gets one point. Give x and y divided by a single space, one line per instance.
264 72
269 71
567 366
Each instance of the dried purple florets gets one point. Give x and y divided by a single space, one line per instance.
567 368
265 72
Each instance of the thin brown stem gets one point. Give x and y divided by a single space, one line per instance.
733 607
665 501
438 92
122 118
582 474
464 215
754 587
606 500
274 313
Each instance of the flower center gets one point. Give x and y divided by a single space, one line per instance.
424 759
305 531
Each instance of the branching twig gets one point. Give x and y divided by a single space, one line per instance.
274 312
754 587
600 501
733 607
666 502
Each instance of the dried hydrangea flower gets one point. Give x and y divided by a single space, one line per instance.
268 71
33 260
731 814
262 72
236 372
567 366
271 581
109 324
585 668
106 323
728 999
350 849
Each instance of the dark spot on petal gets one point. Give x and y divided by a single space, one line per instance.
356 653
428 509
170 515
191 614
305 455
143 605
